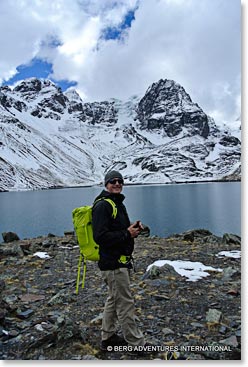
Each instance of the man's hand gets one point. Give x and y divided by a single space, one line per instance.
135 229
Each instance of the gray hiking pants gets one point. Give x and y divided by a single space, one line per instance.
119 307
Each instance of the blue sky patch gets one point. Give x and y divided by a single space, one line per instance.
38 69
116 32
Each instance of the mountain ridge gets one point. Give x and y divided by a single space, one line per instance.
55 139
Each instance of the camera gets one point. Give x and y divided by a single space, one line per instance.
137 224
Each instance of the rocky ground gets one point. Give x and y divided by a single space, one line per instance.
42 318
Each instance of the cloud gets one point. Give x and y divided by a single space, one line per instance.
196 43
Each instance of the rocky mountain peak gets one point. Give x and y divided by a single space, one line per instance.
165 95
73 96
34 84
29 85
167 88
47 99
29 89
167 106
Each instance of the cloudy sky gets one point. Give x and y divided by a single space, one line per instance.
107 48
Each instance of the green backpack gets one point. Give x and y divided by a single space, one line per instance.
89 249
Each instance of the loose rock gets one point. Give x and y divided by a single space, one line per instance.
10 237
42 318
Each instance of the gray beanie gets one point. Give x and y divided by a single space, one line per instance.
110 175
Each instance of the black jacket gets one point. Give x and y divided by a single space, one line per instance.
110 233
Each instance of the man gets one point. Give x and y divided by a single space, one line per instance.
115 237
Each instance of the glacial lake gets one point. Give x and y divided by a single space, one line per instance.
166 209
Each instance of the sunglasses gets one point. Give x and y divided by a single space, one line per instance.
115 180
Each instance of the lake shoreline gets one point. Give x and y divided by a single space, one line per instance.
127 184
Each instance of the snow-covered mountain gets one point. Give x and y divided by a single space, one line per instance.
53 139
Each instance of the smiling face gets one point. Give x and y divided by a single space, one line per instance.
115 185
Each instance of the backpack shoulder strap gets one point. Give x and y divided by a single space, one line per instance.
112 203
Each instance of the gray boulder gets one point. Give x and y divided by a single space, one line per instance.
10 237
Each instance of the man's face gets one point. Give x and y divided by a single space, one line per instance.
115 185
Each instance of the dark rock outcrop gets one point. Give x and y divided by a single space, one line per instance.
10 236
163 107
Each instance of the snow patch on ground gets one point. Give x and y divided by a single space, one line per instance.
192 270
